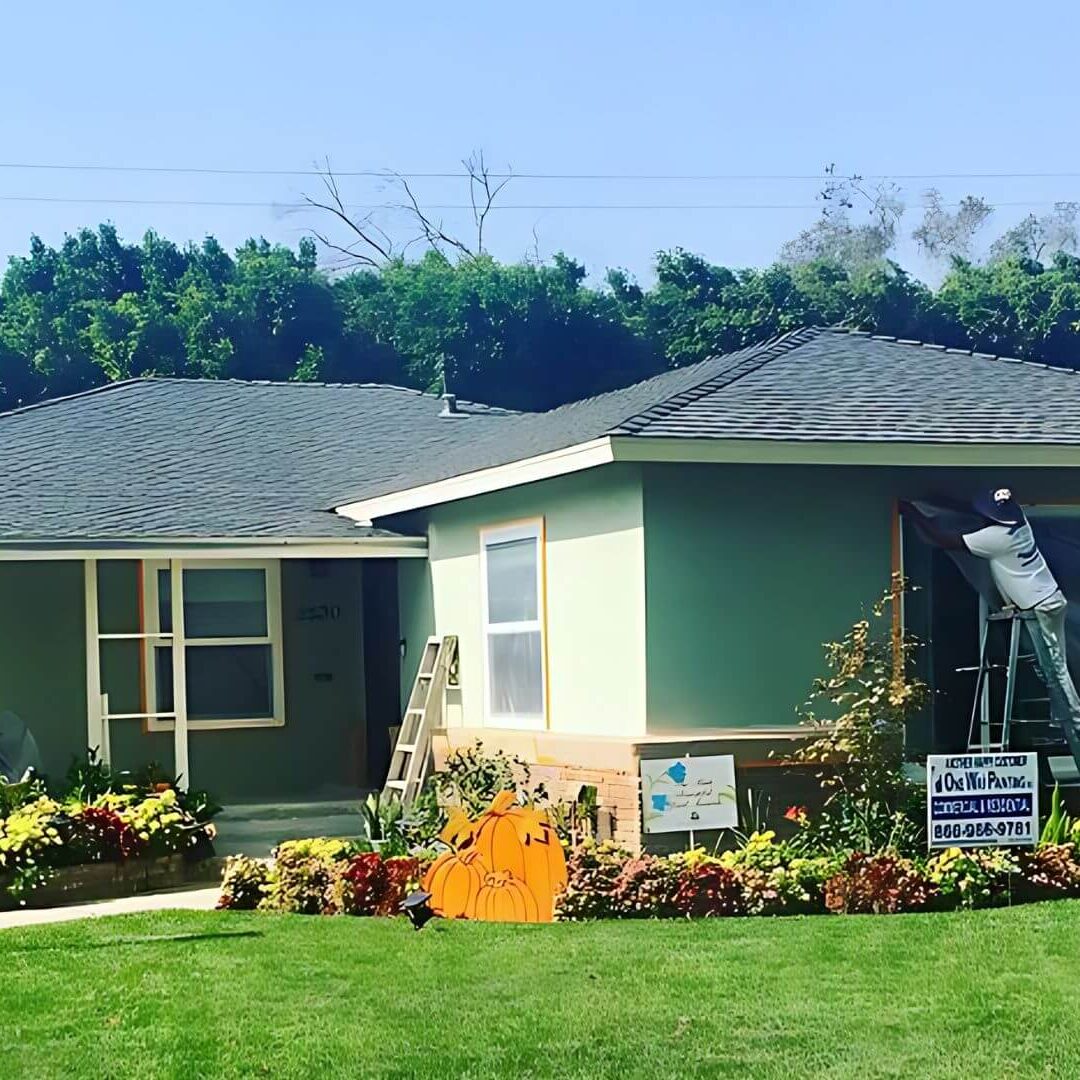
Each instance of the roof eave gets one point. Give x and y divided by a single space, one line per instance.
689 450
196 548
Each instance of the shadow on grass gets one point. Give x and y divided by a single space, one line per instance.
149 939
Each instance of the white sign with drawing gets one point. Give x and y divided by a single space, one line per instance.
688 793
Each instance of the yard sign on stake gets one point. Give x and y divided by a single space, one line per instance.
688 793
982 800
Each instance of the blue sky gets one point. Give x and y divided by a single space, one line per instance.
675 88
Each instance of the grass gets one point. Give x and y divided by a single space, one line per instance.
188 994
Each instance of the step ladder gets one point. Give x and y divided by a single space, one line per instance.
987 733
423 713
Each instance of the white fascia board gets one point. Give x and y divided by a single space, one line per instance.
372 547
796 452
542 467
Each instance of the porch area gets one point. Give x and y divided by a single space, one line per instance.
267 675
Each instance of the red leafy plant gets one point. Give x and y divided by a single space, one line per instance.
592 875
646 888
104 835
368 884
1049 872
878 884
710 890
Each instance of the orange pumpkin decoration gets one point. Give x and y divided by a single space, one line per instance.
519 840
503 898
497 835
454 880
545 870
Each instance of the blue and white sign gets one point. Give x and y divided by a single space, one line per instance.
688 793
982 800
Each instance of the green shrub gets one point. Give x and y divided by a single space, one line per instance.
300 885
969 879
244 883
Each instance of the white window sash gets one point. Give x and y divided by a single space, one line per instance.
273 638
492 537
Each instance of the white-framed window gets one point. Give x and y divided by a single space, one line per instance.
512 588
232 631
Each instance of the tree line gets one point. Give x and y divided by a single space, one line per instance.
530 334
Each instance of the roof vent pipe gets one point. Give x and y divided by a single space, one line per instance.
449 405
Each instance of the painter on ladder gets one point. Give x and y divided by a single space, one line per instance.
1024 580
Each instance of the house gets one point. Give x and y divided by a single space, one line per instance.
646 573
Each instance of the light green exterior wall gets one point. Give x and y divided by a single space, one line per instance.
416 616
748 570
320 749
595 619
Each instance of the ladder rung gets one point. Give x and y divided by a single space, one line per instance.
414 712
397 784
406 748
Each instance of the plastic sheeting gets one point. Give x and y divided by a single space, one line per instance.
18 749
1058 537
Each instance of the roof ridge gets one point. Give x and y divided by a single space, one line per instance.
759 356
89 392
137 380
953 350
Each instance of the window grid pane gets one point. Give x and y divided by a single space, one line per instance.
516 677
218 602
224 682
512 572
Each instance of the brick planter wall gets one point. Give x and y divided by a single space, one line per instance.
565 763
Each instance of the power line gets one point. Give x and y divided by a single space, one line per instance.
390 174
226 203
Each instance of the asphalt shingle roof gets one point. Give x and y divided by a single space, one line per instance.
167 458
815 384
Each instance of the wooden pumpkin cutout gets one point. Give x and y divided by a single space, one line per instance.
454 880
503 898
545 872
497 836
511 856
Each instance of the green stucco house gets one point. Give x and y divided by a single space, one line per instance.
648 572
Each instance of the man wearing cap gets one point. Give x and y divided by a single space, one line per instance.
1025 581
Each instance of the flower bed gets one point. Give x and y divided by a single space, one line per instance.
320 877
98 819
764 877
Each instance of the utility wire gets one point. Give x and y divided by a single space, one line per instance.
389 174
306 206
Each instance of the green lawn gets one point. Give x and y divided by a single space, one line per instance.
993 993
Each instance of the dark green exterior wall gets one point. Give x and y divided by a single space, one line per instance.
748 569
321 749
42 655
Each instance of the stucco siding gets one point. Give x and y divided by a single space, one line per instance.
748 570
321 748
595 618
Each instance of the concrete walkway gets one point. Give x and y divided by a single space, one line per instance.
201 899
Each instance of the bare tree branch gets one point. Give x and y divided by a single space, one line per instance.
372 246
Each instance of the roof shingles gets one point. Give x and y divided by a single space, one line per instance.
168 458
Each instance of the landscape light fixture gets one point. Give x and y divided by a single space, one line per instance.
417 908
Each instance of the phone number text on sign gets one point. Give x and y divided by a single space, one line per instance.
982 800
